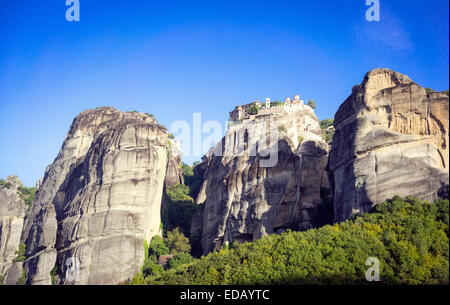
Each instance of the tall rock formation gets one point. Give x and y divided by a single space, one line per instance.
174 174
245 194
391 139
12 215
99 201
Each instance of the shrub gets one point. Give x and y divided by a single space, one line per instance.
5 184
177 242
276 103
151 268
312 104
53 273
158 246
20 253
253 109
179 260
179 192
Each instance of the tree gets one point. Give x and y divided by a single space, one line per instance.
408 236
20 253
253 109
158 246
177 242
151 268
180 259
276 103
312 104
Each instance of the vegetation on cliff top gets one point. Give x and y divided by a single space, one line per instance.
327 130
409 237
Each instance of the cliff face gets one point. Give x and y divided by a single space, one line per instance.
12 215
99 200
247 193
391 139
174 174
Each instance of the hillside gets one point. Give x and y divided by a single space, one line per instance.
408 236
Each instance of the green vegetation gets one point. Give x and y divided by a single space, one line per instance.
312 104
158 246
282 129
324 124
20 253
2 280
53 273
429 90
5 184
327 130
276 104
177 242
408 236
27 194
191 180
253 109
151 268
180 259
22 280
179 205
171 136
300 141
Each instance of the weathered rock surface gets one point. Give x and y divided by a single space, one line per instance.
391 139
99 200
12 215
245 194
174 173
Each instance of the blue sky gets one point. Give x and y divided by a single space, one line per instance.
173 58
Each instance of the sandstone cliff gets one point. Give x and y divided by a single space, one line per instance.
174 174
391 139
12 215
245 194
99 200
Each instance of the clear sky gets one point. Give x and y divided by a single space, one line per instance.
173 58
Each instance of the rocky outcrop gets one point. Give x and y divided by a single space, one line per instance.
391 139
99 201
174 173
263 177
12 215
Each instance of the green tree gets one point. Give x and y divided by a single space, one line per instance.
177 242
253 109
158 246
20 253
179 260
276 103
151 268
312 104
408 236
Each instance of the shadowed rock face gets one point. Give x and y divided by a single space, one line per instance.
244 199
99 200
391 139
12 215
